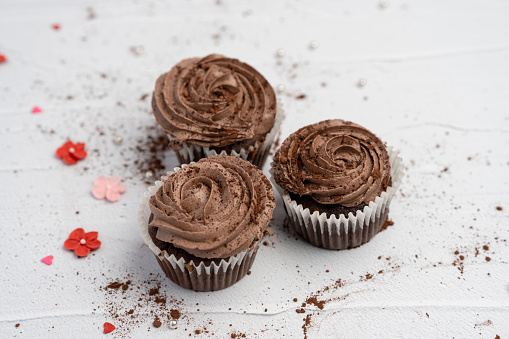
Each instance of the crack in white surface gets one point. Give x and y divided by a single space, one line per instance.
424 56
468 304
447 126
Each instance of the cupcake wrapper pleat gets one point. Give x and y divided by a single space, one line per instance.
346 231
214 280
255 154
197 276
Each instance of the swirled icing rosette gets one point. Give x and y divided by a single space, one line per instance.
334 161
215 103
341 166
214 211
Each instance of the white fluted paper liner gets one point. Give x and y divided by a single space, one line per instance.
343 232
199 269
189 152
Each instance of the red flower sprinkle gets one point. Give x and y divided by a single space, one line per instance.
71 152
56 27
2 59
108 327
82 243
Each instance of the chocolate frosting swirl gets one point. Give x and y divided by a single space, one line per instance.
334 161
214 208
214 101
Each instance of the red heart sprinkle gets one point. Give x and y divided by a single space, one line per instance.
56 27
108 327
48 260
2 58
36 110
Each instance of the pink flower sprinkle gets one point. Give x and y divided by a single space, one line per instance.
108 188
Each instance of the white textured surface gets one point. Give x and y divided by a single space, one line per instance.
437 90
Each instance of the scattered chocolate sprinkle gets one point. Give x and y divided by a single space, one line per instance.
115 285
499 208
488 259
17 325
486 247
140 304
386 224
301 97
295 299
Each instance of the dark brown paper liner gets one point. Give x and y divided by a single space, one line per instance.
340 240
189 278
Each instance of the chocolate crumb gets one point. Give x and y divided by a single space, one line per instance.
17 325
486 247
499 208
295 299
157 323
248 272
488 259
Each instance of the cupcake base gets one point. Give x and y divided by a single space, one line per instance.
342 229
189 271
339 238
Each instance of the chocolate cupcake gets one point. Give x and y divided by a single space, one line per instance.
337 180
204 221
216 105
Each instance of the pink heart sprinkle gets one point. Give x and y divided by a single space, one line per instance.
48 260
36 109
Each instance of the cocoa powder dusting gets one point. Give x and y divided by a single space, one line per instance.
316 302
307 322
175 314
135 304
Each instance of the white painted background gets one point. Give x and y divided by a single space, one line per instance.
437 89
